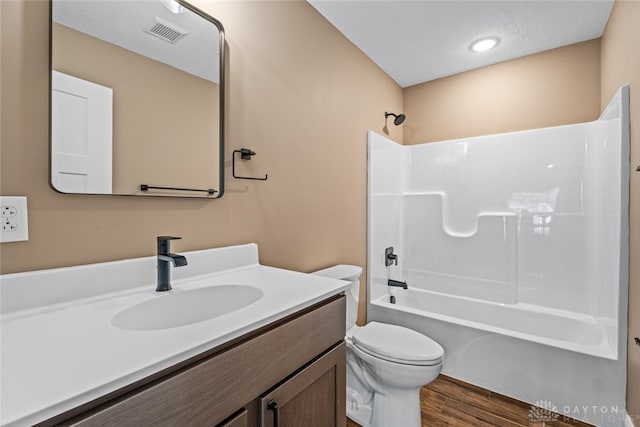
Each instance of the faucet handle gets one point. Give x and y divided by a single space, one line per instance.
165 238
163 244
389 257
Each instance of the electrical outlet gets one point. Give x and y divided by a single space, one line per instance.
9 225
14 225
8 211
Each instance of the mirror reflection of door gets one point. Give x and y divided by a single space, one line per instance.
81 135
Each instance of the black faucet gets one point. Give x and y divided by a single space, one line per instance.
164 259
397 283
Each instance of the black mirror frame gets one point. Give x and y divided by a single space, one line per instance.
212 194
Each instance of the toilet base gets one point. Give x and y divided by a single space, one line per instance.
399 408
357 409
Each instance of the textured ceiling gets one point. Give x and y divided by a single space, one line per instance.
418 41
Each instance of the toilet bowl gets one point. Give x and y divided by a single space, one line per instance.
386 364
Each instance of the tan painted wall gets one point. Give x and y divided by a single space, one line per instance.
300 95
555 87
621 65
155 107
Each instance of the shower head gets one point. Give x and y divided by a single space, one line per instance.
399 118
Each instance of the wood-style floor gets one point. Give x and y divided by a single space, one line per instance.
448 402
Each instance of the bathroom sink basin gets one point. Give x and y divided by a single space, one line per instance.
180 308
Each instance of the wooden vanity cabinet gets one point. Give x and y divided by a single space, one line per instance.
296 364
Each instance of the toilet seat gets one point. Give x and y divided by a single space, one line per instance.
397 344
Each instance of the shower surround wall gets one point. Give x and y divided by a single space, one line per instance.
514 247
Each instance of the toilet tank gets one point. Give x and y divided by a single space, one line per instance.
352 274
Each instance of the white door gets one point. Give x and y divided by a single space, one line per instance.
81 135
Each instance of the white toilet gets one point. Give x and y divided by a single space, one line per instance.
386 364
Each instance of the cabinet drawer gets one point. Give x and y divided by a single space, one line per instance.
211 390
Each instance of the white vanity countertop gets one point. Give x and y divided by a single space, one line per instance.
58 356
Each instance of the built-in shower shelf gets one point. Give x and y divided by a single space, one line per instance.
445 221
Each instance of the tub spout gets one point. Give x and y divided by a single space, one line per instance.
397 283
175 260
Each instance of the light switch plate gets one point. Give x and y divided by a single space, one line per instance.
14 224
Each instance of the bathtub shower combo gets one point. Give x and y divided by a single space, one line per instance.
515 250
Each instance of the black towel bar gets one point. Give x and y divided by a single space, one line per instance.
245 154
145 187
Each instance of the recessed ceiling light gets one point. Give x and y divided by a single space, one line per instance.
484 44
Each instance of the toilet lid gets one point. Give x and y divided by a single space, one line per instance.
397 344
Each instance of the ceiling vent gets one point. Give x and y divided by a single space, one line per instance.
165 31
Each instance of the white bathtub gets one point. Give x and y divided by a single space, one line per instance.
556 328
528 353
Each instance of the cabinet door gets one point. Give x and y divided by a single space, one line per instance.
314 397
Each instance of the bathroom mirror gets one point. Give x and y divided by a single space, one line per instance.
137 99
